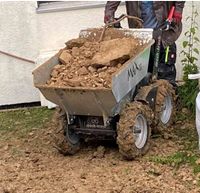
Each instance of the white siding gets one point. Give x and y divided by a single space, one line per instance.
28 34
18 35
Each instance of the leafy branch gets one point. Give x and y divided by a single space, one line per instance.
188 91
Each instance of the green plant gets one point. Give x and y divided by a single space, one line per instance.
188 91
23 121
177 159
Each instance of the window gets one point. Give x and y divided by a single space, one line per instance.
52 6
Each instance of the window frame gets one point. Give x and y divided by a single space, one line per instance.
56 6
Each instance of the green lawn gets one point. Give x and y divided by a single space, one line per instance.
22 121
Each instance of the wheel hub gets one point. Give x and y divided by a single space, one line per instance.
166 110
140 131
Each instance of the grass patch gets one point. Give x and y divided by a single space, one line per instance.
182 117
186 136
178 159
22 121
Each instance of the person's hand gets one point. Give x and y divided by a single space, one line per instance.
177 17
108 19
156 34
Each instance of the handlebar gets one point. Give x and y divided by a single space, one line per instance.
123 16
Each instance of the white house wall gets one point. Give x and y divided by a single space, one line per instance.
56 28
29 34
18 36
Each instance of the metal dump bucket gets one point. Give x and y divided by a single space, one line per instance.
98 101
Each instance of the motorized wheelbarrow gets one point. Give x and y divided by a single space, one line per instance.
125 112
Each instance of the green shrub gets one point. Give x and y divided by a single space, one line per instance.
188 91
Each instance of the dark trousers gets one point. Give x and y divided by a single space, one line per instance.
166 70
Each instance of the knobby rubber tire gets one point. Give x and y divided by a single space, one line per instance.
164 89
61 142
125 137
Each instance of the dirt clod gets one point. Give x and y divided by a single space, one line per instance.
83 71
75 43
89 63
100 152
115 49
198 162
92 69
65 57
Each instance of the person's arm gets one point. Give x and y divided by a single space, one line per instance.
110 8
179 5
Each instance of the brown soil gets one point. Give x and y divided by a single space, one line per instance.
87 63
32 165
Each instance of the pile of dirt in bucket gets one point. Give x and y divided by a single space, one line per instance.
89 63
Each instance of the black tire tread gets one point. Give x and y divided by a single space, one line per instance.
125 138
60 140
164 89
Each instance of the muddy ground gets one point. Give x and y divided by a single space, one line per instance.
29 163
